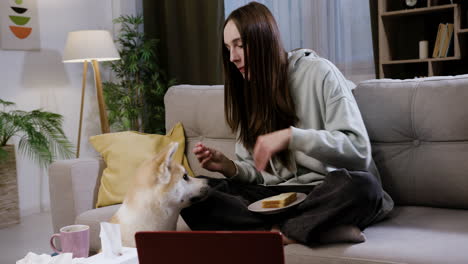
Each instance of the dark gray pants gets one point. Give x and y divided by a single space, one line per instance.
345 197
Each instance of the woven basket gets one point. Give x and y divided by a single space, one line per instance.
9 209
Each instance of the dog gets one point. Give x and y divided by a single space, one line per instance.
161 188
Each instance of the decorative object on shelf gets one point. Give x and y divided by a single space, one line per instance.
41 138
423 49
91 46
411 3
136 100
19 25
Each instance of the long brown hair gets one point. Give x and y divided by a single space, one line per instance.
262 102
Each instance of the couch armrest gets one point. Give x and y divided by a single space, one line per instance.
73 188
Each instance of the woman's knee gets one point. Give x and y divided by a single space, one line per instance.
366 187
359 186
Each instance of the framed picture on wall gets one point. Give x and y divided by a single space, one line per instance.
19 26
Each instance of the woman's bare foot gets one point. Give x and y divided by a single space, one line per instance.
286 240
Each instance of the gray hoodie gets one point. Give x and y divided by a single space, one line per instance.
330 133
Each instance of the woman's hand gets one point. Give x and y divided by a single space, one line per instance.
269 144
213 160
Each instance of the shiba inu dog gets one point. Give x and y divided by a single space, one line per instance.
161 189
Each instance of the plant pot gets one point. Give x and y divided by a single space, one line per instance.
9 208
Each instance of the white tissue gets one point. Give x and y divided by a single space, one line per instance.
64 258
129 256
32 258
111 240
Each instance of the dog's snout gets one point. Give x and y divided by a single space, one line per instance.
203 194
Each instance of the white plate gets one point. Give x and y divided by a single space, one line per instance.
257 206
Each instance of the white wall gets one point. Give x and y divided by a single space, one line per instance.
39 79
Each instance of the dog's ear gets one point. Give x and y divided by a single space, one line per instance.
170 152
168 155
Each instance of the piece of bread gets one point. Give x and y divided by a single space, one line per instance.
280 200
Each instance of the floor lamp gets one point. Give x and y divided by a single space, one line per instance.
91 46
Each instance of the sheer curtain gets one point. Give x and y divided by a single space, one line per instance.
338 30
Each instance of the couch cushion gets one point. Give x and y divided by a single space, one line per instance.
92 218
419 134
200 108
417 235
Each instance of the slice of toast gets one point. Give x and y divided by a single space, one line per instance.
280 200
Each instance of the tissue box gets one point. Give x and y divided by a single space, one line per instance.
129 256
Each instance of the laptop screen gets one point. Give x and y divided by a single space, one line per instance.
209 247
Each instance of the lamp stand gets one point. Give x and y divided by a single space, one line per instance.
100 97
83 88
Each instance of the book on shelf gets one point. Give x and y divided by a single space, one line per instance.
435 52
443 36
448 39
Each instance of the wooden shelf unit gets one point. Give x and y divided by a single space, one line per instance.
401 28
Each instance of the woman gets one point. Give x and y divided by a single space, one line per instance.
299 129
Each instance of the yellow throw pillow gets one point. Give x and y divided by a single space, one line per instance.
123 153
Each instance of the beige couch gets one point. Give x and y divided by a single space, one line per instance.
419 133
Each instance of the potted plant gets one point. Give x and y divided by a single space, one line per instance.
136 100
41 138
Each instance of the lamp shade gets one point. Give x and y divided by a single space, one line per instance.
87 45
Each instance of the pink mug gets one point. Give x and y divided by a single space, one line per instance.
74 239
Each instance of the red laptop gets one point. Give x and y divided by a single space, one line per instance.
209 247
